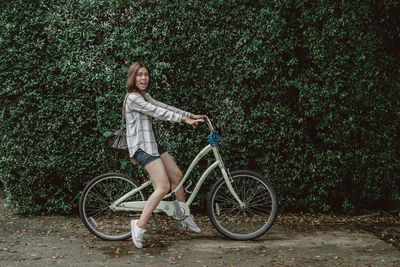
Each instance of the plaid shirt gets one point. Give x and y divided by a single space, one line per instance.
138 114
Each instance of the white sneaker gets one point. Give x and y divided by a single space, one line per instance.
137 233
188 222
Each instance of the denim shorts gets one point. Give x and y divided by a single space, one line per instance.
143 158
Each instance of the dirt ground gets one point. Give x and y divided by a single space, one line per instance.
294 240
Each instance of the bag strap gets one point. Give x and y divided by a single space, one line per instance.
123 113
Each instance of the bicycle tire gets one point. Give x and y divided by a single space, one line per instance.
251 221
94 203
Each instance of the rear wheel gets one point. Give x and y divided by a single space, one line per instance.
250 221
94 204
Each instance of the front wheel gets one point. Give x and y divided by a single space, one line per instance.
254 218
94 206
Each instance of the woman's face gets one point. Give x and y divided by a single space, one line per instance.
142 79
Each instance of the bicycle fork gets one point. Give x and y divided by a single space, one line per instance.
229 181
227 176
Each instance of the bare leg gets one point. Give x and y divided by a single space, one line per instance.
159 178
174 174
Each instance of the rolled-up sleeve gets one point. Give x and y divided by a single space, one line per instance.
137 103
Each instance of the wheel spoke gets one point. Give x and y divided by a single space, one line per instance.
259 210
98 195
260 202
224 196
228 213
91 212
257 193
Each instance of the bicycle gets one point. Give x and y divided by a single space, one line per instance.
242 205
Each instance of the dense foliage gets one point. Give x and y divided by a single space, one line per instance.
306 92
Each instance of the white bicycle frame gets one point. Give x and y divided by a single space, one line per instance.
168 206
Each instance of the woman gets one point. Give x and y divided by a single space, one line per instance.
143 147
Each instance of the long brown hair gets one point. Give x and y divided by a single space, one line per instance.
130 82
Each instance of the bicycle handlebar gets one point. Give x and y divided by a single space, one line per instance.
208 122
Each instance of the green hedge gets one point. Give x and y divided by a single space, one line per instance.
306 92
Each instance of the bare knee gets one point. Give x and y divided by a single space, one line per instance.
163 189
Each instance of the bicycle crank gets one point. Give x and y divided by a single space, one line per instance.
179 212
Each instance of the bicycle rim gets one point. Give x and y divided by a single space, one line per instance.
243 223
94 206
